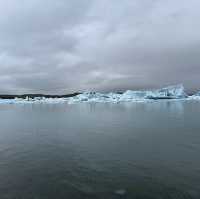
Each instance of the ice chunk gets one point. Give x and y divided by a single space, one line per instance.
33 100
170 92
7 101
134 95
195 96
94 97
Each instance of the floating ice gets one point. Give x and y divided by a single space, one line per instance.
195 96
172 92
95 97
7 101
33 100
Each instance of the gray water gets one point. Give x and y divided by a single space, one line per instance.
103 151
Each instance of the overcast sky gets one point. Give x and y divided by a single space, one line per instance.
61 46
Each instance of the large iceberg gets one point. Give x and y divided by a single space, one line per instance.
171 92
95 97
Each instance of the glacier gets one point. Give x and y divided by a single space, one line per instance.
176 92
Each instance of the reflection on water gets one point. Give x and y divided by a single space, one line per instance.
128 150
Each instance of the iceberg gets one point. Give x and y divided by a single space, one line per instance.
170 92
195 96
130 95
95 97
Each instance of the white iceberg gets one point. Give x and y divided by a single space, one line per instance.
195 96
94 97
171 92
130 95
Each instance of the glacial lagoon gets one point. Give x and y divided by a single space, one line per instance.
126 150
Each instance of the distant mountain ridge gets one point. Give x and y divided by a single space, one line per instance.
24 96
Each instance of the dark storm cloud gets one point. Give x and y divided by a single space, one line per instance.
63 46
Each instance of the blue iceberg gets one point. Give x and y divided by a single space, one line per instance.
170 92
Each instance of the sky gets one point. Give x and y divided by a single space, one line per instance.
63 46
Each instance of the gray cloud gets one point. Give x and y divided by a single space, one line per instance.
64 46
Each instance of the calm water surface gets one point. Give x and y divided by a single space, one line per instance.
100 151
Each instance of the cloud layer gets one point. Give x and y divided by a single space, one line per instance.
72 45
